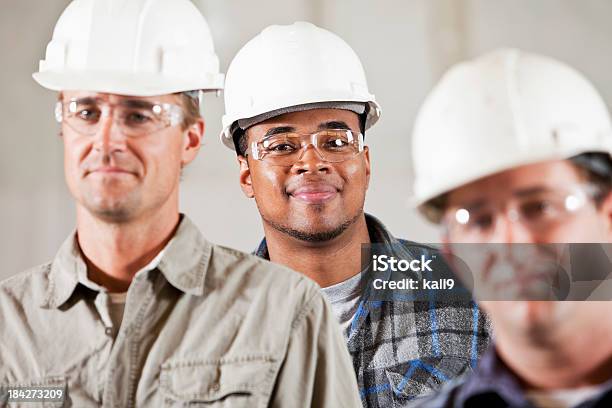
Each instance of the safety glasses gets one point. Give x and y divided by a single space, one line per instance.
134 117
287 148
538 209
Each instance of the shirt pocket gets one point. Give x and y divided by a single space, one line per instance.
48 386
235 382
418 378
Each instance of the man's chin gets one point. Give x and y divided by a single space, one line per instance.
314 232
312 235
110 210
116 216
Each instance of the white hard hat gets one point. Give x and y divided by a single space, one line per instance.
131 47
502 110
290 68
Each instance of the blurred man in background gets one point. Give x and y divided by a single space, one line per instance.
522 146
297 108
137 308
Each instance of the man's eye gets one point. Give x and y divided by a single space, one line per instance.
88 114
535 209
481 221
336 143
137 118
281 148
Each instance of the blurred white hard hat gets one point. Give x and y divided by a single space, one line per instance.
505 109
291 68
131 47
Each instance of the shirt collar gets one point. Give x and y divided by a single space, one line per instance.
186 259
378 232
66 268
262 250
183 262
492 376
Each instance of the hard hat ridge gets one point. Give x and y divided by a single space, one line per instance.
131 47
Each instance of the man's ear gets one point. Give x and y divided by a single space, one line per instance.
446 246
366 157
192 140
246 183
606 210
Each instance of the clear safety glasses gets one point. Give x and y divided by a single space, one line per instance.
287 148
538 209
134 117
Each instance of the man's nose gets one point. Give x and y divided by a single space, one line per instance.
310 160
109 136
512 229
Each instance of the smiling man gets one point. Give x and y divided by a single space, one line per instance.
297 108
311 195
525 174
137 308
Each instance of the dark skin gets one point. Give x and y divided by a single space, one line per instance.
312 212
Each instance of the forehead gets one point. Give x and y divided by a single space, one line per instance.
308 120
545 174
113 98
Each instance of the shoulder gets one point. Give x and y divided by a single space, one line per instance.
279 282
31 283
21 296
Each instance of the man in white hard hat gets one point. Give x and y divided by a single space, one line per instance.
297 108
523 148
137 308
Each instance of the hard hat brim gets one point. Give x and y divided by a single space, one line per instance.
420 199
125 84
373 114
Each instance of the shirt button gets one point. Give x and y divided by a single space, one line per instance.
108 331
215 387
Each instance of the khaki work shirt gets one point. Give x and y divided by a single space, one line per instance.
210 326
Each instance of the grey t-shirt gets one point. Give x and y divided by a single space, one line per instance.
116 309
344 299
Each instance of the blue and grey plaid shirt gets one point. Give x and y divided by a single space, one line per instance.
403 350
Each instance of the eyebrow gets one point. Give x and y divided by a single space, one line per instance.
529 191
128 103
87 100
278 130
474 205
333 124
524 192
136 103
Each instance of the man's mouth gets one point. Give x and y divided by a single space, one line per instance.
315 193
108 170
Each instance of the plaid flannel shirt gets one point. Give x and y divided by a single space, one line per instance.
403 350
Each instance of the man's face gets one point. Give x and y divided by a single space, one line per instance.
312 200
523 189
119 177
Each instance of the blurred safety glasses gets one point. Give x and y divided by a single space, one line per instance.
538 209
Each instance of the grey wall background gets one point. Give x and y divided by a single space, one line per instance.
405 45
